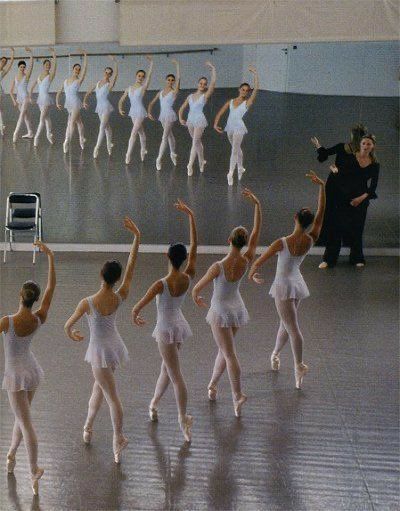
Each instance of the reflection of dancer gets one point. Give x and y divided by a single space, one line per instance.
289 287
73 104
20 83
235 127
44 99
22 373
227 310
172 329
137 111
196 120
104 107
167 116
4 70
106 350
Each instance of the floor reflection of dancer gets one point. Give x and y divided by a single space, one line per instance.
289 287
106 350
227 311
44 99
137 111
73 103
103 106
20 84
172 329
196 120
5 66
235 127
167 115
22 373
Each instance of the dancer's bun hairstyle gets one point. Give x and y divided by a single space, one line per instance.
111 272
30 293
177 254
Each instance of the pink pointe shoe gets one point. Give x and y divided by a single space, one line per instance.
118 452
275 362
153 414
87 435
299 371
237 405
212 392
186 427
11 461
35 481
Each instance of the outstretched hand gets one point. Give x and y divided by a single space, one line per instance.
42 247
248 194
131 226
315 142
209 64
75 335
137 320
252 69
314 178
333 169
181 206
149 58
218 129
199 301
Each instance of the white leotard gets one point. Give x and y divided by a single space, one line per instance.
106 347
22 370
72 100
196 117
289 282
44 99
22 90
227 308
103 105
167 113
171 323
235 122
137 110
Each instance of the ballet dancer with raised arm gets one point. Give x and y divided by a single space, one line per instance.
196 120
172 329
103 105
23 373
289 287
5 66
227 311
235 127
106 350
73 103
44 100
167 116
20 84
137 111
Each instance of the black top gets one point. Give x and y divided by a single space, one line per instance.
352 180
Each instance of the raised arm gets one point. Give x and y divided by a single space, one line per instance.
121 102
75 335
51 283
220 113
191 264
251 99
149 72
58 96
273 249
115 76
319 217
181 110
151 104
152 292
211 88
323 152
84 68
30 67
123 290
85 104
255 233
8 66
211 274
177 76
53 68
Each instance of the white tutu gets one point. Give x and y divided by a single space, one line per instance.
285 289
167 117
197 120
72 104
104 108
72 100
44 101
231 317
103 105
172 331
137 112
107 353
236 126
23 377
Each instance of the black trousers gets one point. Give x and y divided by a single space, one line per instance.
345 223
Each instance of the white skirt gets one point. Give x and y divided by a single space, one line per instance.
233 127
106 353
137 112
44 101
197 120
73 104
172 332
233 317
169 116
104 107
23 377
285 289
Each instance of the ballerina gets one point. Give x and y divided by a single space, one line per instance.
167 97
104 107
196 121
172 329
137 111
227 310
72 103
23 373
106 350
20 83
5 66
289 287
44 100
235 127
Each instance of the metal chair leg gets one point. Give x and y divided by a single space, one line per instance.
5 246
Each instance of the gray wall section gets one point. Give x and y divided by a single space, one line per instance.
84 200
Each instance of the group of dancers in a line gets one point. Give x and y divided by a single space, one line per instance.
107 351
196 121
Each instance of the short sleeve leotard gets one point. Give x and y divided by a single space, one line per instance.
106 347
103 105
44 99
227 308
137 110
235 122
22 90
171 326
289 282
196 117
22 370
167 113
72 100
